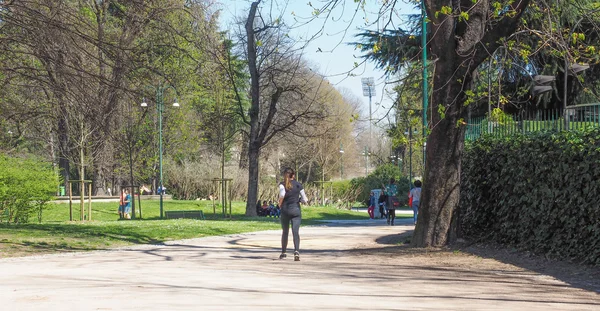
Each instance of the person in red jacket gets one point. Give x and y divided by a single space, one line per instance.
372 202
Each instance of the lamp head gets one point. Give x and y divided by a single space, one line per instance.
576 68
541 79
540 89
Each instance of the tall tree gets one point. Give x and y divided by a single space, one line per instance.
283 91
464 34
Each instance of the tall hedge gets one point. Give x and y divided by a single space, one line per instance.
26 185
538 191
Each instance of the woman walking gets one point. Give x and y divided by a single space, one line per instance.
372 203
391 190
415 198
290 194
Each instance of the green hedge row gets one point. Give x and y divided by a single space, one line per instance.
26 185
538 191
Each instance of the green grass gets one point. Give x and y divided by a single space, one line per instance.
57 234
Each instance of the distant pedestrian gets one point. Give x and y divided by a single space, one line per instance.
415 198
291 194
372 203
391 190
122 204
127 208
382 208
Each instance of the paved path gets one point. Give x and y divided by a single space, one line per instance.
338 271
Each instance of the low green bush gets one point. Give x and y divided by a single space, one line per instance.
26 185
536 191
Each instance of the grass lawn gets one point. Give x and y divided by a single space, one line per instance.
57 234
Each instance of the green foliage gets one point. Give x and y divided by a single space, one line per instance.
380 176
25 188
345 192
538 191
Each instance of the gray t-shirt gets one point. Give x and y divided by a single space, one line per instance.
415 194
291 197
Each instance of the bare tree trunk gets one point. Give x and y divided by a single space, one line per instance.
308 172
63 146
253 156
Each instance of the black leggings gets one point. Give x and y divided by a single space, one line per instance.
391 215
293 214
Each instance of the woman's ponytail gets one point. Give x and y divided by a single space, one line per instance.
288 175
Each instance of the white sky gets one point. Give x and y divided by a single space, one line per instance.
336 57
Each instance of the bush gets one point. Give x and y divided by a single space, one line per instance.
381 175
538 191
25 187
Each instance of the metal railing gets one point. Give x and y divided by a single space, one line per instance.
579 117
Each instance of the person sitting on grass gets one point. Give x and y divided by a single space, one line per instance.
274 210
262 209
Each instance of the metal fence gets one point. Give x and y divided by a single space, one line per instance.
577 117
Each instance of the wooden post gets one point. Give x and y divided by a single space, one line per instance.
139 202
213 199
223 201
230 187
90 201
81 198
70 201
133 201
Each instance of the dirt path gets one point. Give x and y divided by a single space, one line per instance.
345 266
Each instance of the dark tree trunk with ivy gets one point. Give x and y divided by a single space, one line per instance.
460 42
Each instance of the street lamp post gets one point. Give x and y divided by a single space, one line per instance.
397 158
160 90
366 154
368 86
341 160
574 68
425 78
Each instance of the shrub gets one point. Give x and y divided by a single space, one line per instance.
537 191
26 186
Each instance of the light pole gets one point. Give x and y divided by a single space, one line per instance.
410 153
399 159
425 78
160 106
341 161
368 86
540 86
574 68
366 154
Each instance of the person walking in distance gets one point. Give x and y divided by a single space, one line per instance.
372 203
127 208
290 194
415 198
391 190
